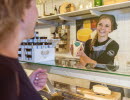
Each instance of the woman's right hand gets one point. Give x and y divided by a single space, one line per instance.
80 52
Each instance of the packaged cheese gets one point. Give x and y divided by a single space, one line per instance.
77 45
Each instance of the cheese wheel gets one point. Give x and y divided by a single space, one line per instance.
84 34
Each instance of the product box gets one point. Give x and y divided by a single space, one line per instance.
108 2
119 1
46 54
38 55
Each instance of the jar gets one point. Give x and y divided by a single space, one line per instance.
97 3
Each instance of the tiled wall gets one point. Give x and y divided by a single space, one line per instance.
121 35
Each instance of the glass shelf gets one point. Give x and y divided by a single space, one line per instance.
68 63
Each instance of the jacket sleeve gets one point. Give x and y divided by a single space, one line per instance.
8 86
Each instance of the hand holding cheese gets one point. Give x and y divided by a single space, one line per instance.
76 47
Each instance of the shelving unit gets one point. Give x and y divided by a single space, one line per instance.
101 77
88 12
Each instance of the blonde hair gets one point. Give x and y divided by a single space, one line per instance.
113 27
11 12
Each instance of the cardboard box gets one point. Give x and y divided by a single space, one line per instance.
39 55
108 2
119 1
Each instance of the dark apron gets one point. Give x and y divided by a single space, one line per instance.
97 51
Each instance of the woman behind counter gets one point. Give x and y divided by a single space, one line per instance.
17 22
101 49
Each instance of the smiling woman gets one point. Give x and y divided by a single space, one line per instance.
101 49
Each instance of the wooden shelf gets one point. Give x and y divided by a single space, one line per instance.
87 12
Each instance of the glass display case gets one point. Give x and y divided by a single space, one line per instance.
69 80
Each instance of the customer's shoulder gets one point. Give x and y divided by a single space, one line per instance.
6 65
6 70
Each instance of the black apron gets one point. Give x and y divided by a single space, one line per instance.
98 50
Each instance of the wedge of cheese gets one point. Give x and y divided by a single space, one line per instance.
101 89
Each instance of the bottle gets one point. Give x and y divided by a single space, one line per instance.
97 3
55 10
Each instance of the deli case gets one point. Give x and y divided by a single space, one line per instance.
72 81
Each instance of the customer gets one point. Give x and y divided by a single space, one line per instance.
17 22
102 49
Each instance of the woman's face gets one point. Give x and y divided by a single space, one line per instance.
31 15
104 27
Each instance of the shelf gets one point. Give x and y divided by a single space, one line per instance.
91 75
78 14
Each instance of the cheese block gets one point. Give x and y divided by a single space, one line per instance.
101 89
77 45
84 91
90 94
94 96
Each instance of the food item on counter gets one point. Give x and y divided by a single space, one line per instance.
101 89
73 96
57 98
84 34
77 45
94 96
90 94
83 91
67 7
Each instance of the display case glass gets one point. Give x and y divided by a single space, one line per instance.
70 63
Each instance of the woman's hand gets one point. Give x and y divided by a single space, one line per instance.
84 59
38 79
81 53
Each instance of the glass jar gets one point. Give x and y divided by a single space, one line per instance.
97 3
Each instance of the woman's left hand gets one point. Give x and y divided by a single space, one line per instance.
81 53
38 79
